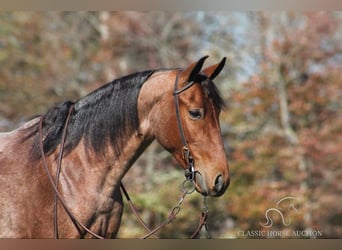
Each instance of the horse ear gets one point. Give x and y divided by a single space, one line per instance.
191 72
213 70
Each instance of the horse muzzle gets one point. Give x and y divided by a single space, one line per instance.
217 187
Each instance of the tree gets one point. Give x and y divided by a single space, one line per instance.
292 109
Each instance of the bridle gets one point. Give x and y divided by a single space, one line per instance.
187 187
190 171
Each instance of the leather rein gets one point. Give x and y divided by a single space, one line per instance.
187 187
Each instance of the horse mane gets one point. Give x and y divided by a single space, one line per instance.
100 118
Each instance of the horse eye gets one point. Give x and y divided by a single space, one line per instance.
196 114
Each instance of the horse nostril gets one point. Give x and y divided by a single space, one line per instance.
219 183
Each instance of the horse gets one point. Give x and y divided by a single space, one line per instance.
87 146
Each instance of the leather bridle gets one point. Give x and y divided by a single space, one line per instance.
187 156
188 185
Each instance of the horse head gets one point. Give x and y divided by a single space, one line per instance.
189 128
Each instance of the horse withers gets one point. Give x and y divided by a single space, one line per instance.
87 146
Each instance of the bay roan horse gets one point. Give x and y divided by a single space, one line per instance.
105 132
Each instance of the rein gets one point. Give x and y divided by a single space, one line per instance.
187 187
54 185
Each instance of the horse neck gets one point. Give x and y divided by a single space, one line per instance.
149 103
105 171
154 89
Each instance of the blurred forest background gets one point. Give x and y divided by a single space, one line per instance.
282 126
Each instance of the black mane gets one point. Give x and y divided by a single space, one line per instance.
100 117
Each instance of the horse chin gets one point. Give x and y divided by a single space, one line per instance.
201 186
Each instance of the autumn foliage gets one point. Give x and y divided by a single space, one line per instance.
282 126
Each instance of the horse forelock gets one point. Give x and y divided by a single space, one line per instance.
105 116
211 90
